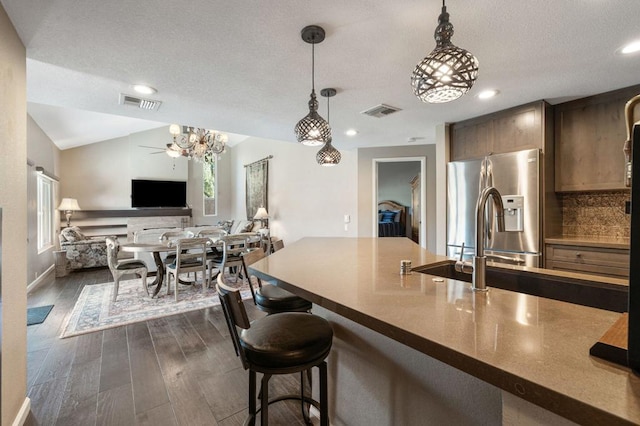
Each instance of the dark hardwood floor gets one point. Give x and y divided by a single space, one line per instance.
177 370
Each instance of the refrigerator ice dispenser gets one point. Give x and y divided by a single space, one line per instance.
513 213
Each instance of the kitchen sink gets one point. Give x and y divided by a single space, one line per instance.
568 289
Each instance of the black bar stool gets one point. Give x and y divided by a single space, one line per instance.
283 343
270 298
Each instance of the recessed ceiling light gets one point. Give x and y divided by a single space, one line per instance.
351 132
486 94
632 47
144 89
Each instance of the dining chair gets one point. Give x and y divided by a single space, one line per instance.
213 233
119 268
277 245
232 246
168 237
190 256
267 297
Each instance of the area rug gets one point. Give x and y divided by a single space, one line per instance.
95 311
38 314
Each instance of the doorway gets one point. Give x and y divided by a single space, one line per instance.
402 180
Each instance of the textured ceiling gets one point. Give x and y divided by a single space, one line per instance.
241 66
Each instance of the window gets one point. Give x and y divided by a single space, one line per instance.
45 212
210 189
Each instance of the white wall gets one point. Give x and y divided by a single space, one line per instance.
305 199
99 175
394 181
13 201
41 152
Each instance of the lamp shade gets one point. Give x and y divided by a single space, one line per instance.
261 214
69 204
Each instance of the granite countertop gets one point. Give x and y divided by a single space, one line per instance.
535 348
601 242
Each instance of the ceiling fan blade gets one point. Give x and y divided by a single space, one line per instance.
150 147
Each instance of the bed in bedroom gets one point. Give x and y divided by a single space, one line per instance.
392 219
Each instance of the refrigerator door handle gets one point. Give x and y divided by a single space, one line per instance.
505 258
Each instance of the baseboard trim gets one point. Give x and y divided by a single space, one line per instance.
35 283
21 418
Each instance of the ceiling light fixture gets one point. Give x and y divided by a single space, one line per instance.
631 48
328 154
487 94
144 89
448 72
313 130
351 132
195 143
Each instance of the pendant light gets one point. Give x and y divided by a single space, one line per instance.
313 130
448 72
328 155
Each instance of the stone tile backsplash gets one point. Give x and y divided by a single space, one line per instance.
596 214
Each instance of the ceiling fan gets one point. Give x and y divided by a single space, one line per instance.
158 149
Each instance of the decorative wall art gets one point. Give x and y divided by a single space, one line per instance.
257 179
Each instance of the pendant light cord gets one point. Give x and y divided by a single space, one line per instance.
313 67
328 102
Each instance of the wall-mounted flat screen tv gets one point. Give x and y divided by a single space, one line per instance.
158 193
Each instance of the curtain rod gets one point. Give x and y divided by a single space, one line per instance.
51 176
259 161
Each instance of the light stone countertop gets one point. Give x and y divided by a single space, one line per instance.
532 347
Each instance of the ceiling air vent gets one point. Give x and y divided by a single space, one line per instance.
135 101
381 110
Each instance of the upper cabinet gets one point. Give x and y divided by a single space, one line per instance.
589 137
510 130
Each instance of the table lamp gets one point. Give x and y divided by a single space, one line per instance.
69 205
263 216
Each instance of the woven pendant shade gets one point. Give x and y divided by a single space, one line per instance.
448 72
312 130
328 155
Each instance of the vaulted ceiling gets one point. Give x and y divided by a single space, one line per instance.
242 67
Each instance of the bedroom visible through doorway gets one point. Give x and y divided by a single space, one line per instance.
399 199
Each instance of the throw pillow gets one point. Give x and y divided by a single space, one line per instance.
72 234
247 227
226 225
388 216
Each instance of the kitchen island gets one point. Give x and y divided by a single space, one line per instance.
419 349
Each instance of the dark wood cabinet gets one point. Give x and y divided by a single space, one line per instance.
589 136
514 129
612 262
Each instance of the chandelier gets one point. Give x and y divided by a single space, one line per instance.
195 143
312 130
448 72
328 155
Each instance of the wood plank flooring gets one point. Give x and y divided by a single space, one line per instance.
177 370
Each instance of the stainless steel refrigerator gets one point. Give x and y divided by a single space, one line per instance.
516 176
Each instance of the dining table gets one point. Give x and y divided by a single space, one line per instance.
156 248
